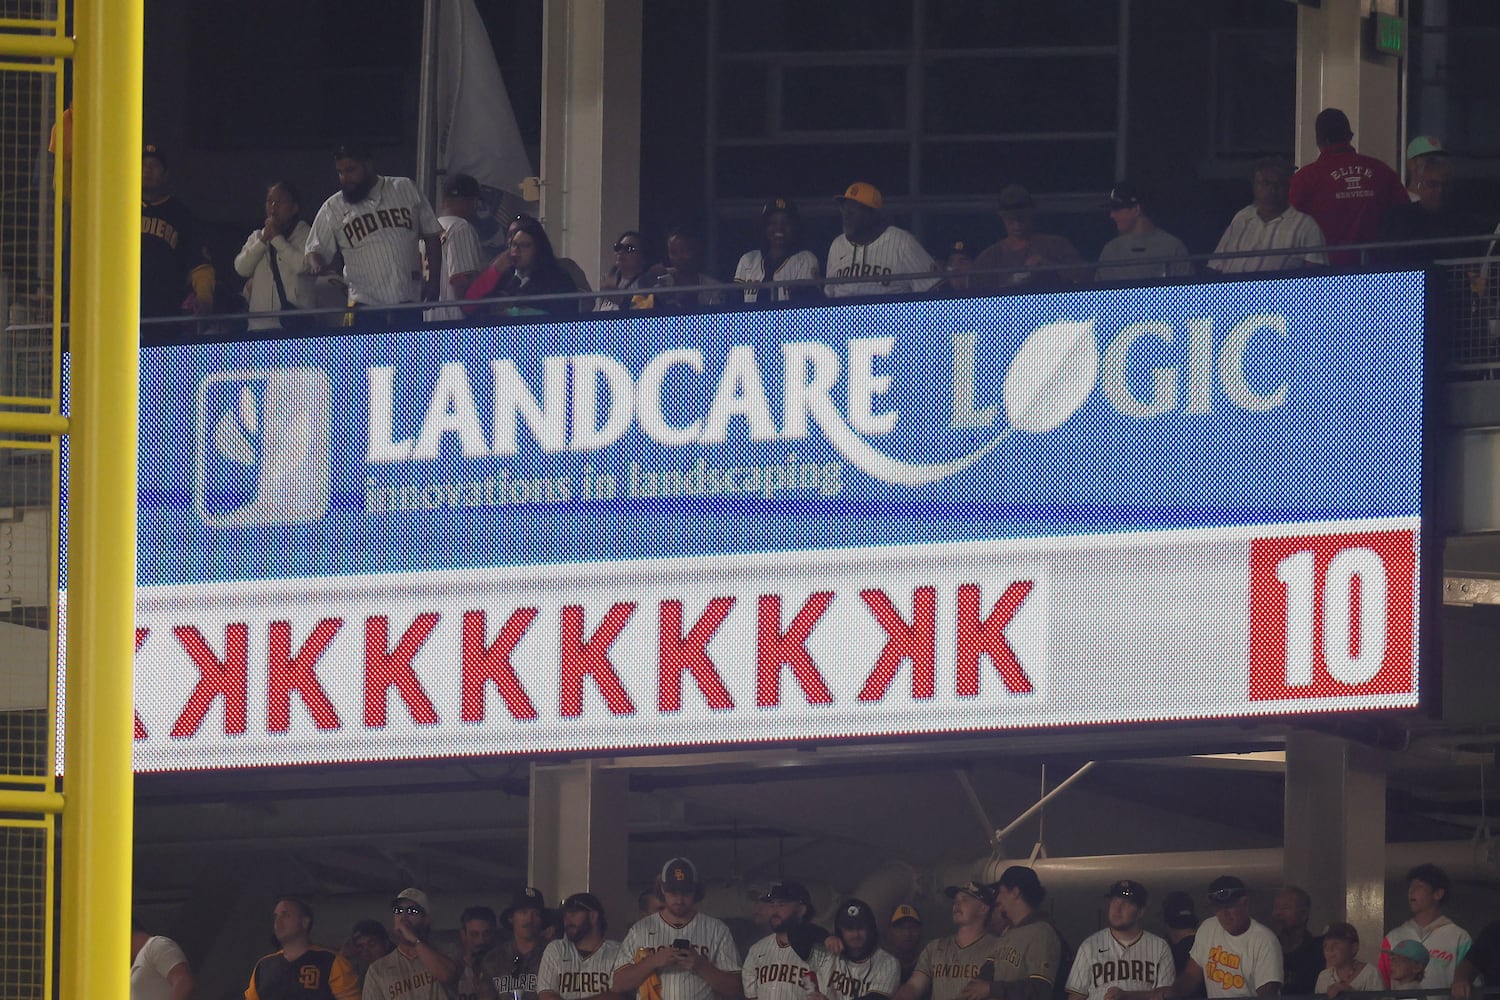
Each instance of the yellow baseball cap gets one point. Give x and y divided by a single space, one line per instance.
905 912
867 195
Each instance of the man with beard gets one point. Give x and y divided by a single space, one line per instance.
377 224
871 247
476 936
777 966
862 969
581 964
174 262
510 970
1123 961
947 966
415 970
678 953
301 970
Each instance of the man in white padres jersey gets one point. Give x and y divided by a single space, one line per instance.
948 965
463 256
871 247
678 953
1123 961
580 965
862 969
377 223
778 966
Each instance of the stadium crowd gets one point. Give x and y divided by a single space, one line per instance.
376 245
1003 946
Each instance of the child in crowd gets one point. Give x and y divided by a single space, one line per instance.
1408 964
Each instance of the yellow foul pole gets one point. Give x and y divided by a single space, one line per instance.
105 310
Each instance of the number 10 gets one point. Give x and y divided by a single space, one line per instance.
1349 613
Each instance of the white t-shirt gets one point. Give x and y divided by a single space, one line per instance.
1367 980
841 979
752 268
1446 944
707 935
569 973
894 251
153 963
774 971
1237 966
1103 961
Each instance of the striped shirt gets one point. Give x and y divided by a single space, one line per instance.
841 979
1288 231
378 237
706 934
572 975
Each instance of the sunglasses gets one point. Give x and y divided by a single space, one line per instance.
623 247
415 911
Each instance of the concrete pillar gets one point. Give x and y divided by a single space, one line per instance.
591 127
1335 833
579 826
1337 67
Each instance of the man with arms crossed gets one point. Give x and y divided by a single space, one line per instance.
581 964
948 965
678 953
1123 961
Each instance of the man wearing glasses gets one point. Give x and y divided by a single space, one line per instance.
1233 956
415 970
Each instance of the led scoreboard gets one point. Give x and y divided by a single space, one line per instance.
1108 506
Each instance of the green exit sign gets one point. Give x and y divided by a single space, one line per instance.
1390 34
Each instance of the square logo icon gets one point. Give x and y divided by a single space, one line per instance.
262 439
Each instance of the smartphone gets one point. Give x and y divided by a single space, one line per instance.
682 944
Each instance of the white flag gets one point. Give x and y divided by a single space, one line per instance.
477 132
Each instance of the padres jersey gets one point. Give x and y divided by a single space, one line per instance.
378 238
396 977
706 934
462 254
752 268
1103 961
573 975
316 974
894 251
950 967
507 974
773 971
1029 950
170 253
841 979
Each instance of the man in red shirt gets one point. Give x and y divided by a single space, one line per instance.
1346 193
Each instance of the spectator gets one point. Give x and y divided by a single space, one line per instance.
527 268
628 273
1181 918
1417 153
1029 953
367 942
1407 961
873 248
1447 943
957 263
1142 250
379 225
947 966
476 936
1432 216
1481 966
552 927
580 964
1023 248
648 902
905 936
1302 957
776 967
174 263
684 269
510 969
862 969
414 970
1346 193
781 257
1123 961
463 257
1269 222
692 949
300 970
158 968
1233 955
1345 972
272 260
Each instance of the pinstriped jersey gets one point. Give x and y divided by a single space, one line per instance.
378 238
894 251
1103 961
841 979
774 971
573 975
707 935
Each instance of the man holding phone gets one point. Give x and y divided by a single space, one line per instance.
678 953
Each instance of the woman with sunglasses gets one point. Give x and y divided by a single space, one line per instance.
628 274
527 267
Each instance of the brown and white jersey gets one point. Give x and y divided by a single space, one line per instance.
1104 961
573 975
894 251
706 935
378 237
774 971
841 979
